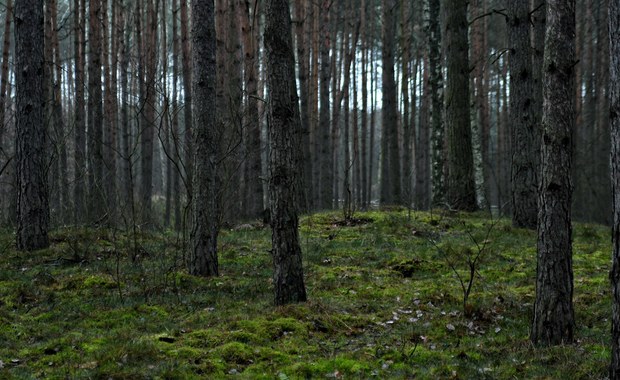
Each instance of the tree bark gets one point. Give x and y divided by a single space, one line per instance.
390 155
284 131
554 321
326 178
436 88
461 188
253 197
96 207
32 190
525 131
614 119
203 259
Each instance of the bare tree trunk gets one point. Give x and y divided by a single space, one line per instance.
111 111
203 248
614 118
147 129
32 191
461 188
436 84
390 155
365 196
176 177
303 57
525 130
95 115
253 197
6 46
80 119
554 320
187 96
284 131
324 137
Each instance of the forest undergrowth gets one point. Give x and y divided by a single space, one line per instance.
387 297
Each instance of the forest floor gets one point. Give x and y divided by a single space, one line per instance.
385 301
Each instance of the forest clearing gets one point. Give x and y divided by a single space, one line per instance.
384 302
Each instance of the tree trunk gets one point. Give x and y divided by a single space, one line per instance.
525 131
554 321
6 46
176 177
187 96
436 88
390 154
147 129
203 259
614 118
253 197
32 191
324 137
284 131
461 187
95 116
303 56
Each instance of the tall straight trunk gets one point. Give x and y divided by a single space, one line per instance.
324 137
168 136
436 88
59 123
423 144
203 259
313 38
390 155
147 129
357 186
614 119
32 190
554 320
284 131
79 187
480 103
4 81
95 115
461 188
111 110
176 176
253 197
187 96
524 129
408 122
372 164
303 56
346 141
48 112
126 193
364 127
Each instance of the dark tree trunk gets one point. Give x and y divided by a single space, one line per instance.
32 191
436 88
187 93
390 154
147 129
96 204
203 248
326 178
554 321
461 188
284 133
253 197
525 131
614 118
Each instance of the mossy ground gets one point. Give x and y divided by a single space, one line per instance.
384 303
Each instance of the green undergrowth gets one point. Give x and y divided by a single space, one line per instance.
385 302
